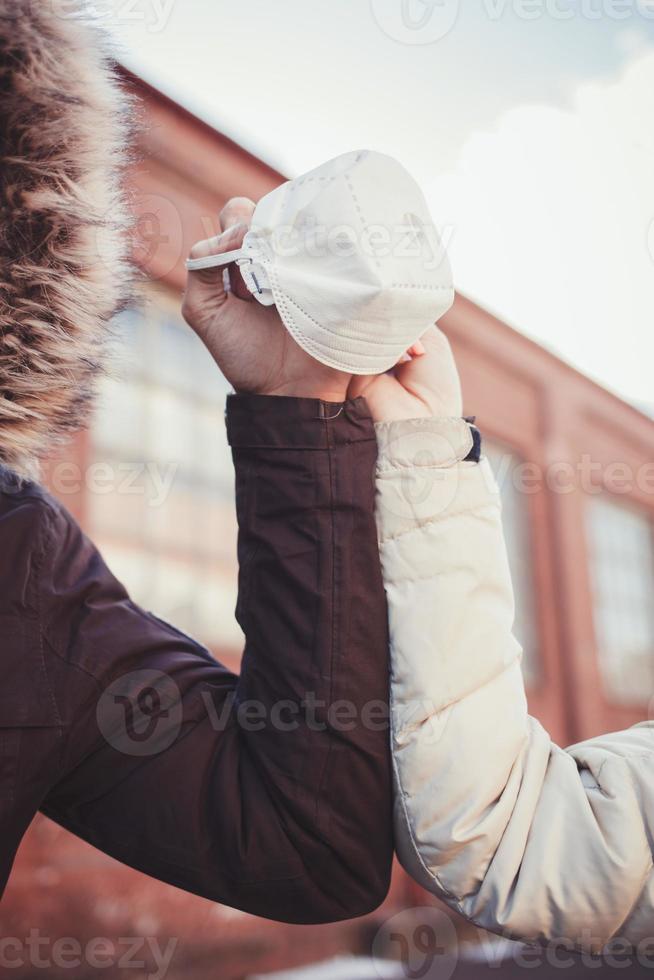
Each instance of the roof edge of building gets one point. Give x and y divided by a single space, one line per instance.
138 82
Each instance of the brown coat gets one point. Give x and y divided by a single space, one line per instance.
116 725
270 791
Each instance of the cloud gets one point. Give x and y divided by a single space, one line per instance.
553 217
631 40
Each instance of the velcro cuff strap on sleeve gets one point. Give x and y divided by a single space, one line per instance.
281 422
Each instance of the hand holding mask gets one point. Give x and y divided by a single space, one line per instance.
350 256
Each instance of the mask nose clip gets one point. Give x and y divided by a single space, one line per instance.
256 279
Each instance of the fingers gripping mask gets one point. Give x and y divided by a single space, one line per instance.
350 256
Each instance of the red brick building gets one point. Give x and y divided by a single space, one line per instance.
151 482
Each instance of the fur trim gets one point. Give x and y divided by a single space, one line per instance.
64 268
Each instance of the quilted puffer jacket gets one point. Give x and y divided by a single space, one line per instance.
520 836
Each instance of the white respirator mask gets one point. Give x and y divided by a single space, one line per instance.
350 256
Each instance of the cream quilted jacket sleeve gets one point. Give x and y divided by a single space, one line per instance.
517 834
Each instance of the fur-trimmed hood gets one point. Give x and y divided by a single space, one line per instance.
63 248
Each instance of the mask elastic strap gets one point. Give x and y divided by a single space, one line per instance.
212 261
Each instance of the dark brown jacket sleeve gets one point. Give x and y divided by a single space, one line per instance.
271 791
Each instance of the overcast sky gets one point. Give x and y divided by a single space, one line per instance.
528 122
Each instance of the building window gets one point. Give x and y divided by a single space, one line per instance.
621 549
161 499
515 519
